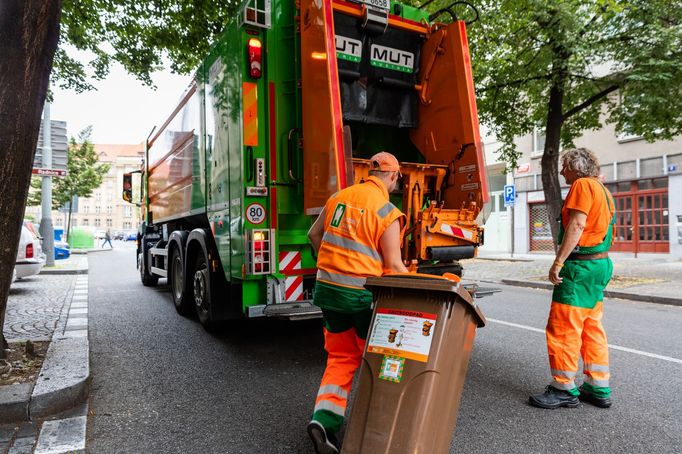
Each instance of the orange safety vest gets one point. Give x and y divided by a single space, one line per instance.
355 220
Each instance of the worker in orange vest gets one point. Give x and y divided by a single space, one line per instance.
580 273
357 235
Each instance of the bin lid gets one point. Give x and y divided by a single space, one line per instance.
418 281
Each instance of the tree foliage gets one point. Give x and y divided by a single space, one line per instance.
136 34
567 66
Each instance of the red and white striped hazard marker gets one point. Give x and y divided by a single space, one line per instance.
293 285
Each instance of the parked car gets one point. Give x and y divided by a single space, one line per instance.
131 236
30 257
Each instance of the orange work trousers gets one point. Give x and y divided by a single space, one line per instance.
573 332
344 351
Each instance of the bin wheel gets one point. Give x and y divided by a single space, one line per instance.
178 285
147 279
201 286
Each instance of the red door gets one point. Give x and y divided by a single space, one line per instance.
641 216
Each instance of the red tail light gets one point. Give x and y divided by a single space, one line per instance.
255 58
29 251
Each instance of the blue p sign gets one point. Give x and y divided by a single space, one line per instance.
509 195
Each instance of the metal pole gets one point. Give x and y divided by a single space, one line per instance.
512 229
46 227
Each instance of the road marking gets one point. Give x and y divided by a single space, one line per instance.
611 346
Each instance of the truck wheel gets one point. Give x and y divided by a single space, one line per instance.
178 286
147 279
201 287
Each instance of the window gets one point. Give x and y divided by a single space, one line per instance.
109 223
74 222
109 196
110 209
624 137
539 138
97 209
110 184
97 222
86 222
98 196
127 211
86 209
127 225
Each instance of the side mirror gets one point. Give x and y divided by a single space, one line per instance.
128 187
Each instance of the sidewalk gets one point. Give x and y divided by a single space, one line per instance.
651 278
52 306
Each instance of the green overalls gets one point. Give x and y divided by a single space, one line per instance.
584 281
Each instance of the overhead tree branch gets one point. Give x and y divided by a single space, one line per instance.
589 101
513 83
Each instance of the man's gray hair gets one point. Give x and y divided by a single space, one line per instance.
582 161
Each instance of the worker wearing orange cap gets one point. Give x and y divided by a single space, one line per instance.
357 235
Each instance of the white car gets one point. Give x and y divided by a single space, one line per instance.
30 257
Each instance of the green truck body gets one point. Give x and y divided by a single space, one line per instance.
228 194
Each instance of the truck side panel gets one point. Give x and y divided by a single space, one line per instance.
176 182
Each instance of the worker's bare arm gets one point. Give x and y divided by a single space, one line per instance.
390 248
316 231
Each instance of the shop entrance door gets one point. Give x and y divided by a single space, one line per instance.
641 216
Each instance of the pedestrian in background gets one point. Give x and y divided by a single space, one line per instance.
357 235
580 273
107 238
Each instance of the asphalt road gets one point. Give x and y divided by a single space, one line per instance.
161 384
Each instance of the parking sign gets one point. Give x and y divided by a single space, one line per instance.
509 195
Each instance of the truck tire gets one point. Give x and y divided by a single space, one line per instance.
201 288
182 299
147 279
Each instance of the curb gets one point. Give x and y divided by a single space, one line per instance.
607 293
65 271
64 378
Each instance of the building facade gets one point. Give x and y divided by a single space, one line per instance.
644 178
105 209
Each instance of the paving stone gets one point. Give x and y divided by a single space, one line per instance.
63 435
34 306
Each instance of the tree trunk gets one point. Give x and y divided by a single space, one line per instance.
29 33
550 158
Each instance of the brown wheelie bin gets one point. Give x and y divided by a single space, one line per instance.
414 366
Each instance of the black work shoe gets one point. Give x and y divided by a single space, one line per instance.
553 398
601 402
324 443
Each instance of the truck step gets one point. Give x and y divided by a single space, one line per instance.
293 311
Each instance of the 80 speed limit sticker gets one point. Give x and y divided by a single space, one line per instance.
255 213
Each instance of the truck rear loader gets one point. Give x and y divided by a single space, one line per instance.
285 111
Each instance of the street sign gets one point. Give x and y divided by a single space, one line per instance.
49 172
59 145
509 195
672 168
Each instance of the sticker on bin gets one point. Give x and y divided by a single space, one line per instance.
405 334
392 368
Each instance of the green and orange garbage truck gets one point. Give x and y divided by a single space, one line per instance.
285 111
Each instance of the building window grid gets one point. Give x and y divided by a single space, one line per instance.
624 170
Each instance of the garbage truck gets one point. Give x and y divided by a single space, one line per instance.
285 111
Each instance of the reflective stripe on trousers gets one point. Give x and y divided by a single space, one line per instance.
573 332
